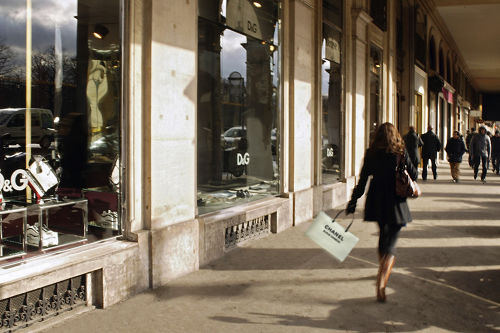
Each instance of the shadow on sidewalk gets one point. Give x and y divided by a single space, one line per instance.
261 259
410 308
488 212
452 232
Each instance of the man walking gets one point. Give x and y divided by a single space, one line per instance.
455 148
412 143
495 151
469 137
429 152
480 152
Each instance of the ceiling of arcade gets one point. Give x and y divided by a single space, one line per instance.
475 27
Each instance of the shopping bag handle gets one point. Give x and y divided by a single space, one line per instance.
337 215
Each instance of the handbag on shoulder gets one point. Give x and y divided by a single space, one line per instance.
405 186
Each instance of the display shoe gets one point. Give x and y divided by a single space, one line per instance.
385 269
33 236
52 236
107 219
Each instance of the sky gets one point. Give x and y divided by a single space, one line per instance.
46 15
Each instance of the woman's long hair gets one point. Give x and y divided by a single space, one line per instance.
388 138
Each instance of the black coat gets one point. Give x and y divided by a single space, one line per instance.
455 148
412 142
382 204
495 145
432 145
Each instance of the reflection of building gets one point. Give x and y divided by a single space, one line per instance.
317 77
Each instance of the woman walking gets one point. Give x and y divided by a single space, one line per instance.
382 205
455 148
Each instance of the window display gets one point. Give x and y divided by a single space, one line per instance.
331 91
238 102
60 102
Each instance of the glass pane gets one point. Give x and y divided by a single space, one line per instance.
238 104
60 118
331 90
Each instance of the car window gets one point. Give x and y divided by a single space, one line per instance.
4 116
35 119
47 121
231 132
17 121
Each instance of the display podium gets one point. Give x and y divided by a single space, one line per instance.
60 223
13 221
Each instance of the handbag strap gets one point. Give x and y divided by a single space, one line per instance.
349 226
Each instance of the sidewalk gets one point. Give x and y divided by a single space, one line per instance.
446 278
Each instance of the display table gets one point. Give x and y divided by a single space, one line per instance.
13 221
62 222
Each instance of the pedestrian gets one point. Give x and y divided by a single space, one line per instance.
429 152
412 143
469 136
382 205
480 152
455 148
495 151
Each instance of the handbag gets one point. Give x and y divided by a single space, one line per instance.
405 186
331 236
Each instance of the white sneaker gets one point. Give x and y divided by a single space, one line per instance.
52 236
107 219
49 237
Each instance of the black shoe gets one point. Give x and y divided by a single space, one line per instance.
475 176
435 177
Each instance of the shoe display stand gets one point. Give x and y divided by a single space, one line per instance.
103 209
61 223
13 223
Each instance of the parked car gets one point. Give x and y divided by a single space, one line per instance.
233 136
13 126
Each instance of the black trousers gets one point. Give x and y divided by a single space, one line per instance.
388 237
476 160
425 160
495 159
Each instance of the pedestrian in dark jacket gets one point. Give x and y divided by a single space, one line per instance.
469 137
495 151
432 145
412 143
382 205
480 152
455 148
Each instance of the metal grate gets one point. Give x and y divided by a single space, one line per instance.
22 310
252 229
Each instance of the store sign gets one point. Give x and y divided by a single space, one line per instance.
332 50
18 181
329 152
475 113
241 16
242 159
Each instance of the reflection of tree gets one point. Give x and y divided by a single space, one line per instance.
6 55
44 67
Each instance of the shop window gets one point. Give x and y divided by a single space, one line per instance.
432 54
378 11
331 92
420 36
59 125
238 102
375 76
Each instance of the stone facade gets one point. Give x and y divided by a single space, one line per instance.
164 237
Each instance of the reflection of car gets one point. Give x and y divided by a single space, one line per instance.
233 136
13 126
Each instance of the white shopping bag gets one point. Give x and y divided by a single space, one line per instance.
331 236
